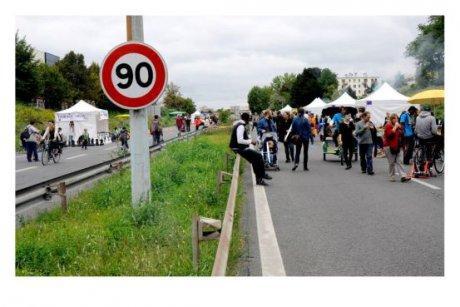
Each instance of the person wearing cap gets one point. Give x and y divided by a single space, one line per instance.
346 129
426 131
239 143
407 122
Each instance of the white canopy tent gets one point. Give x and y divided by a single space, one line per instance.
316 106
287 108
343 101
84 116
384 99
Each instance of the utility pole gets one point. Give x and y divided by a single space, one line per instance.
140 158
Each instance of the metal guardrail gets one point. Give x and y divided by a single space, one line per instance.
223 249
45 188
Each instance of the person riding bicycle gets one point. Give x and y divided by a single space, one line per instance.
51 137
426 130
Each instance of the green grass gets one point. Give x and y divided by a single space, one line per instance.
102 235
24 114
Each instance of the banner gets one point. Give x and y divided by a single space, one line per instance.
67 117
104 114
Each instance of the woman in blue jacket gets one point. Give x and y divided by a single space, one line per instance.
301 130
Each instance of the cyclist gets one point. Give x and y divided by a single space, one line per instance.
50 135
426 131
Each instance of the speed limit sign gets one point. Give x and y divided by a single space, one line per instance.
133 75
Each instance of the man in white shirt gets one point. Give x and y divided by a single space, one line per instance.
239 143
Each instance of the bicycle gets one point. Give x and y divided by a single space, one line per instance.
422 165
48 155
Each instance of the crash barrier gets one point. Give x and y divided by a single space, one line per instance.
204 229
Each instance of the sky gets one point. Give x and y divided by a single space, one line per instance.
216 60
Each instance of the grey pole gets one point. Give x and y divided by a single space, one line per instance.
139 141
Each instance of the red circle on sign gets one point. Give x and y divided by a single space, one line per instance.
133 102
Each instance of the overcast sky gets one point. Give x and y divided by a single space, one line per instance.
216 60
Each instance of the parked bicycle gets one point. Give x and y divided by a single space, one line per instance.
421 163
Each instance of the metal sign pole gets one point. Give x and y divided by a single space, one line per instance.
139 141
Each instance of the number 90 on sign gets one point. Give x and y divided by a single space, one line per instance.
133 75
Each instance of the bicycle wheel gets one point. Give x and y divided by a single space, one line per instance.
418 159
438 161
56 155
45 156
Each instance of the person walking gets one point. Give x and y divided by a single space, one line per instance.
301 130
124 137
392 144
188 121
364 132
346 129
336 120
426 131
407 122
155 129
31 139
239 143
71 133
283 126
312 120
85 139
179 124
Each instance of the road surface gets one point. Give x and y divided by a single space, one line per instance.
73 159
335 222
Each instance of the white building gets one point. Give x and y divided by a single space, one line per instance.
358 83
45 57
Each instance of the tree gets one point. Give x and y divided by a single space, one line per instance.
428 50
73 68
224 115
259 98
52 86
328 82
94 90
306 87
27 86
281 90
399 81
173 99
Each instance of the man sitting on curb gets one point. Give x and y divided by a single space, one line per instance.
239 143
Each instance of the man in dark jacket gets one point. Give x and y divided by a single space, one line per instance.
239 143
346 129
301 130
283 126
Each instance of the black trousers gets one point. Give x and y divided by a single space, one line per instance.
298 148
255 158
348 149
409 142
289 150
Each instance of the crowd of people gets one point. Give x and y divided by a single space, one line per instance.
394 140
184 122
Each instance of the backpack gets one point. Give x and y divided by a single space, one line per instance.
25 135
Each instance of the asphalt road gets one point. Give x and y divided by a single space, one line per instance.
72 159
335 222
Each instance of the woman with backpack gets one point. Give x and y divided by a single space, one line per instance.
30 138
392 144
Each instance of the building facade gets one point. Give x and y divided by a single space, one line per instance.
360 84
45 57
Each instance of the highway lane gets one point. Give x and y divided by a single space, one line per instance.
73 159
330 221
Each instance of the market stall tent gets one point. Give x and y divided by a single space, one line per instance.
287 108
384 99
84 116
343 101
316 106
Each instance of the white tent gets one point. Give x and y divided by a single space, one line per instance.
316 106
84 116
343 101
384 99
287 108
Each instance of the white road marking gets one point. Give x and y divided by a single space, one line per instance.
109 148
426 184
270 256
74 157
25 169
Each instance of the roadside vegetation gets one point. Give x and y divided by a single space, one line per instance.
103 235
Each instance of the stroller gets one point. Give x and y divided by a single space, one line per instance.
269 150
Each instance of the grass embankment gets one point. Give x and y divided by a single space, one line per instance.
102 235
24 114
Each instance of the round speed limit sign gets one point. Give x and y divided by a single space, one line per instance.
133 75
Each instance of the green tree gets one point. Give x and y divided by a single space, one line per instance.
281 86
328 82
259 98
306 87
53 86
173 99
27 86
224 115
72 66
94 90
399 80
428 51
187 105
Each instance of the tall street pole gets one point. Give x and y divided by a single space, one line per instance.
139 141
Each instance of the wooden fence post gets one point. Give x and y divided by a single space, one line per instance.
62 191
195 242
